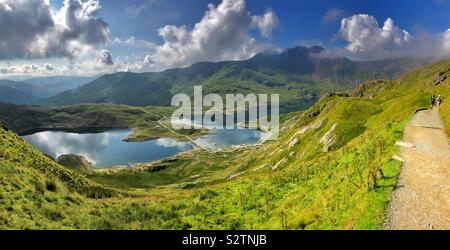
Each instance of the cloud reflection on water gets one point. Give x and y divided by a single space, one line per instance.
61 143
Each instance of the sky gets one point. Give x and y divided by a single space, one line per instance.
91 37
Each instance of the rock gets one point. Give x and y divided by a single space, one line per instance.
75 162
292 142
363 89
441 76
397 158
258 168
405 144
279 164
318 124
329 139
236 175
310 126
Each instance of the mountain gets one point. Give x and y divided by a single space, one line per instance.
300 75
44 87
17 93
331 168
30 90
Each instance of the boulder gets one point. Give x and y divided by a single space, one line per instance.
404 144
441 76
329 139
75 162
397 158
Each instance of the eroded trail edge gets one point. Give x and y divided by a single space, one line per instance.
421 199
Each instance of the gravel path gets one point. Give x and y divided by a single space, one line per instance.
422 196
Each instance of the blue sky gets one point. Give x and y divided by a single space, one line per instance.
300 21
149 35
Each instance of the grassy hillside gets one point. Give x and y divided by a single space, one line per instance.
35 191
300 75
331 168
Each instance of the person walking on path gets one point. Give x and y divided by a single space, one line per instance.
432 100
439 101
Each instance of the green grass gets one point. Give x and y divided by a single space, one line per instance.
346 188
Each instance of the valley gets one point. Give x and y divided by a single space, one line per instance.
331 168
144 121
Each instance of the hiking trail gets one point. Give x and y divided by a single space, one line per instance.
421 199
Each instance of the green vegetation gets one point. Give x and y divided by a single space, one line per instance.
300 75
86 117
290 183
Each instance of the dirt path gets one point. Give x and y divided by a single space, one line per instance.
422 197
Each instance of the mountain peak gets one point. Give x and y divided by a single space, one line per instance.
316 49
302 49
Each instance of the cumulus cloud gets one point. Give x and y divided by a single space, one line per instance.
21 21
105 58
366 39
31 29
444 41
266 23
49 67
75 33
27 69
222 34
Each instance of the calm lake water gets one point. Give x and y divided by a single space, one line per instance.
107 149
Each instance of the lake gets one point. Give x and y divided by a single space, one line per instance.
106 149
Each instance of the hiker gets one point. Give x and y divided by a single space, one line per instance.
432 100
439 101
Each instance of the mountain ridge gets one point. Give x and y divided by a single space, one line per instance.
295 74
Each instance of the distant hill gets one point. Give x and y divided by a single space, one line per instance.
30 90
16 93
44 87
300 75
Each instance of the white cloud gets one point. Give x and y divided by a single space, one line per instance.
49 67
26 69
75 33
444 42
222 34
105 58
333 14
266 23
31 29
137 10
367 39
21 21
134 42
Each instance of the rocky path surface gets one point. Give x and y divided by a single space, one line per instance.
422 196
